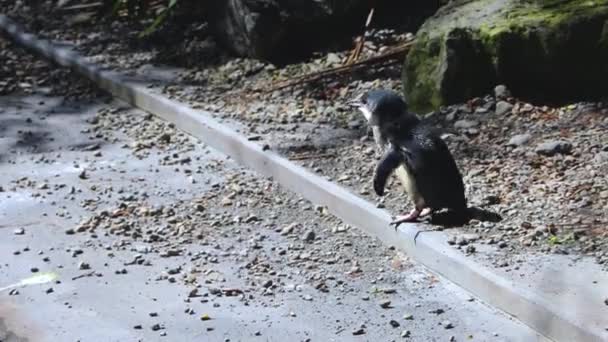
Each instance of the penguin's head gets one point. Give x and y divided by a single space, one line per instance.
380 107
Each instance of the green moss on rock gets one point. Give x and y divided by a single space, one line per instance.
556 47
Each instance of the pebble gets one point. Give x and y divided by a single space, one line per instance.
19 231
408 317
503 107
358 331
436 311
405 333
394 323
465 124
288 229
550 148
385 304
309 236
83 266
519 139
447 325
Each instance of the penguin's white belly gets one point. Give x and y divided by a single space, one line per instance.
409 184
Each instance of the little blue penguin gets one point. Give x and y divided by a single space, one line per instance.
415 152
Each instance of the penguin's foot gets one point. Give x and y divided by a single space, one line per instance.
425 212
412 216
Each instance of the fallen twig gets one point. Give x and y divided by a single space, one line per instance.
360 40
312 156
393 55
88 274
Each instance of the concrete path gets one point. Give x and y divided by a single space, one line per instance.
257 261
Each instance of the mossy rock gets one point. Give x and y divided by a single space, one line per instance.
550 50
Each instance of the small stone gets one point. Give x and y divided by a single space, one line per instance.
501 92
385 304
267 283
358 331
447 325
153 314
258 333
34 269
156 327
309 236
49 290
288 229
550 148
503 107
394 323
70 231
437 311
408 317
205 317
84 266
606 301
19 231
465 124
604 194
137 327
405 333
519 140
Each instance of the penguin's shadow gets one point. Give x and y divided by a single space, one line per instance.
451 219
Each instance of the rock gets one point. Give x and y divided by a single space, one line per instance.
286 29
394 323
385 304
519 139
358 331
84 266
503 107
408 317
465 124
447 325
601 157
501 92
437 311
288 229
19 231
309 236
469 46
550 148
405 333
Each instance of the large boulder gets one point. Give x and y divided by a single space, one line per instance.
279 30
542 50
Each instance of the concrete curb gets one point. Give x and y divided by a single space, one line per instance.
534 310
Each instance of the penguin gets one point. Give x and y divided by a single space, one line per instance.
416 153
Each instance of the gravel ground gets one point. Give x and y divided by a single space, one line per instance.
542 168
151 235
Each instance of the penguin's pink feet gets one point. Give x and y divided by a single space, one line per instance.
412 216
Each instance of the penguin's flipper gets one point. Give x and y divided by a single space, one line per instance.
389 162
